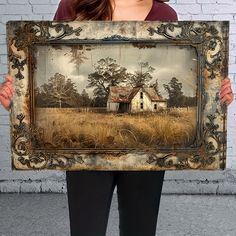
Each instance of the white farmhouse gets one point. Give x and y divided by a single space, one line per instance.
137 99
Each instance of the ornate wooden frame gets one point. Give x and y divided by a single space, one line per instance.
211 42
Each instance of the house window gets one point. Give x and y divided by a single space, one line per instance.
141 95
141 105
155 106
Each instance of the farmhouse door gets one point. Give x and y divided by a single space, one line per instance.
123 107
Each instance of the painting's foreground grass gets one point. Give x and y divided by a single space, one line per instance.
68 128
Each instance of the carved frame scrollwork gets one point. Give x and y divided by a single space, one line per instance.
210 39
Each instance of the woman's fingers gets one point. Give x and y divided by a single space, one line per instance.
5 93
9 78
7 90
226 83
226 79
4 99
225 91
7 85
228 98
5 102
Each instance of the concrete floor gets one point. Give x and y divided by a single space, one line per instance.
180 215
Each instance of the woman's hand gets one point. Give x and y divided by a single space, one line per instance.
6 92
226 94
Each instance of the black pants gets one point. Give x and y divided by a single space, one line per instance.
90 194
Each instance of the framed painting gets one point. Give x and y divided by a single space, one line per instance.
118 95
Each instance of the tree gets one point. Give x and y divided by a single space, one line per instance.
58 92
174 89
155 85
107 73
189 101
142 76
78 55
85 100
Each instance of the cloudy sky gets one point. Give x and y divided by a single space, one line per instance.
168 61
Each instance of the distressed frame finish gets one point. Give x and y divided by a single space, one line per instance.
210 39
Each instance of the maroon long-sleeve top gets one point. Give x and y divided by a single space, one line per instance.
160 11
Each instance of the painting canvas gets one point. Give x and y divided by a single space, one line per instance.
116 96
119 101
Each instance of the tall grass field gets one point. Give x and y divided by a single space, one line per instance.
72 128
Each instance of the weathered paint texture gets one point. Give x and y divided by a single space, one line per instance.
211 42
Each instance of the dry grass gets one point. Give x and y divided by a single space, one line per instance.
68 128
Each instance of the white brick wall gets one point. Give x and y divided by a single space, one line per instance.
175 182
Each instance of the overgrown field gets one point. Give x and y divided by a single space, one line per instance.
68 128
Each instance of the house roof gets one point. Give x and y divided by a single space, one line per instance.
126 94
153 95
119 94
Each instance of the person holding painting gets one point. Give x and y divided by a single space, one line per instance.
90 192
